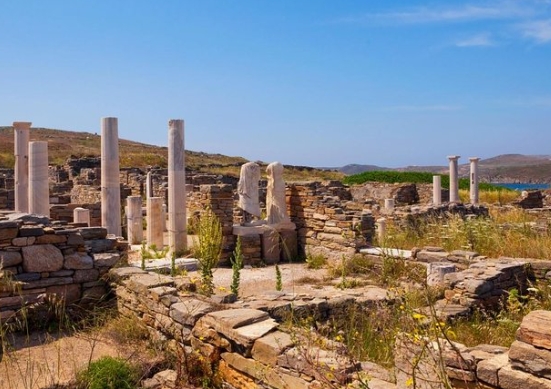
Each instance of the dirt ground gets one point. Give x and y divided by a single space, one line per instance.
42 360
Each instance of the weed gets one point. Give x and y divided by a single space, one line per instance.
236 265
315 261
108 373
279 282
208 248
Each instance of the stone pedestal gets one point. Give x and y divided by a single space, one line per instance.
134 219
454 179
436 190
474 180
381 229
389 204
436 272
176 187
271 251
81 215
21 145
110 184
39 190
155 222
289 244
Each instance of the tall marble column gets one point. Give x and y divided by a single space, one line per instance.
39 190
436 190
21 146
155 222
454 179
134 219
177 236
474 180
110 181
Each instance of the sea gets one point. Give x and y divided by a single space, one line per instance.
523 186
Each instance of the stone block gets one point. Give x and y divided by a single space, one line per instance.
10 258
535 329
51 239
70 293
140 283
100 245
189 311
78 261
508 378
270 246
89 233
31 231
75 240
42 258
87 275
487 370
270 346
45 282
530 359
106 259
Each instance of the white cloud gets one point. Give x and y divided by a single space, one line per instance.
538 30
423 108
465 13
483 39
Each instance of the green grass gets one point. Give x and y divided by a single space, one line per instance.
109 373
394 177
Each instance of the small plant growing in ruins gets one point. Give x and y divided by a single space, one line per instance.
236 265
279 282
108 372
315 261
208 248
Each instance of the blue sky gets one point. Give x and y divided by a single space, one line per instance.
318 83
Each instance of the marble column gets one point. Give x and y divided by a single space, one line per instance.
381 229
110 181
436 190
155 222
39 190
177 236
81 215
134 219
454 179
21 145
474 180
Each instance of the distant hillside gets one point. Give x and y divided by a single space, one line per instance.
501 168
63 144
355 169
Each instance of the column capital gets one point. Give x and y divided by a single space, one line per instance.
453 157
474 159
22 125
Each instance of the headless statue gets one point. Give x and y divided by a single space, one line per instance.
247 188
276 206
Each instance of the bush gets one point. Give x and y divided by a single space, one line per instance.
108 373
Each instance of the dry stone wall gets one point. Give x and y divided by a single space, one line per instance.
38 260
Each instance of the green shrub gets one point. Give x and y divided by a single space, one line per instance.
315 261
109 373
208 248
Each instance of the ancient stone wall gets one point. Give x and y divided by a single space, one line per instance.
64 212
327 220
37 261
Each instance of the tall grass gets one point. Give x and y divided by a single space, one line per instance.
505 233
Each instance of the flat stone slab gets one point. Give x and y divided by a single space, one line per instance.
394 253
140 283
122 273
164 265
535 329
190 310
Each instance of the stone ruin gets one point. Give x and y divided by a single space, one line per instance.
69 256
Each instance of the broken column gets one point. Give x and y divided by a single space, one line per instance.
81 215
436 190
454 180
21 145
381 229
110 185
39 191
474 180
134 219
155 222
177 236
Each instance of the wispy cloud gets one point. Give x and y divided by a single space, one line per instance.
464 13
538 30
423 108
483 39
